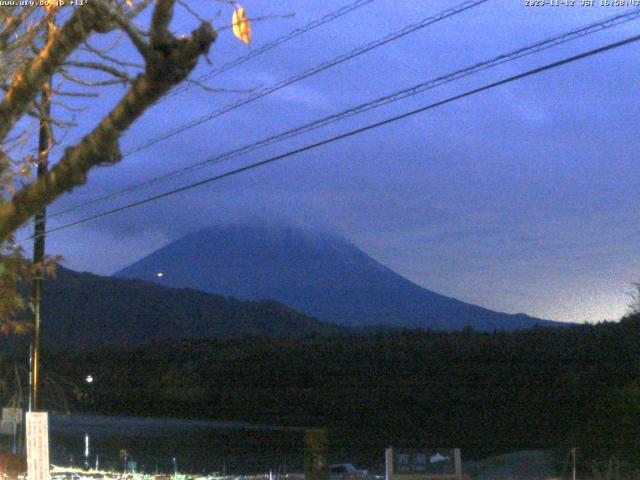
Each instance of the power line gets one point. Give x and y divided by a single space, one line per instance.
313 71
399 95
328 18
277 42
351 133
306 74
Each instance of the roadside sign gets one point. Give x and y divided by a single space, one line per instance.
38 446
11 417
423 464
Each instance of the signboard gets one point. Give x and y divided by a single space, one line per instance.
37 446
423 464
11 417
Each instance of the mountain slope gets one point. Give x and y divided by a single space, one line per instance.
84 311
319 275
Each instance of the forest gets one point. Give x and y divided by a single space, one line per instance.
551 388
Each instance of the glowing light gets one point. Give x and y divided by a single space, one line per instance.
89 379
160 274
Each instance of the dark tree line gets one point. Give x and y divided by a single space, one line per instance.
485 392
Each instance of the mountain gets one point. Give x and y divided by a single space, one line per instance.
85 311
317 274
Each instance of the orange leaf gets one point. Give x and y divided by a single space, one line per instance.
241 25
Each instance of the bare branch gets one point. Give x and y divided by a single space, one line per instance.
102 54
6 13
104 50
12 25
69 108
50 119
28 81
64 93
89 83
123 76
138 7
134 34
191 11
168 65
207 88
162 15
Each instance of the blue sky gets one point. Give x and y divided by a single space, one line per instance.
521 199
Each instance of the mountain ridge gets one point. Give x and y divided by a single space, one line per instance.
84 311
316 273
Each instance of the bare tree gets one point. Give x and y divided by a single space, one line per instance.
168 60
634 306
49 49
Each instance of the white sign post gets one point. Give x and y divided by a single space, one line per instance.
38 446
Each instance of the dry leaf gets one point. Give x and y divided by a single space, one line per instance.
241 25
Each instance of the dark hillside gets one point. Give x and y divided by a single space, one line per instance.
86 311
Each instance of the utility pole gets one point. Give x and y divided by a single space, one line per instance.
44 145
573 453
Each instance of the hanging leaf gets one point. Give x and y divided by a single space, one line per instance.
241 25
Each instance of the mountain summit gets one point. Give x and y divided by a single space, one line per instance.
317 274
